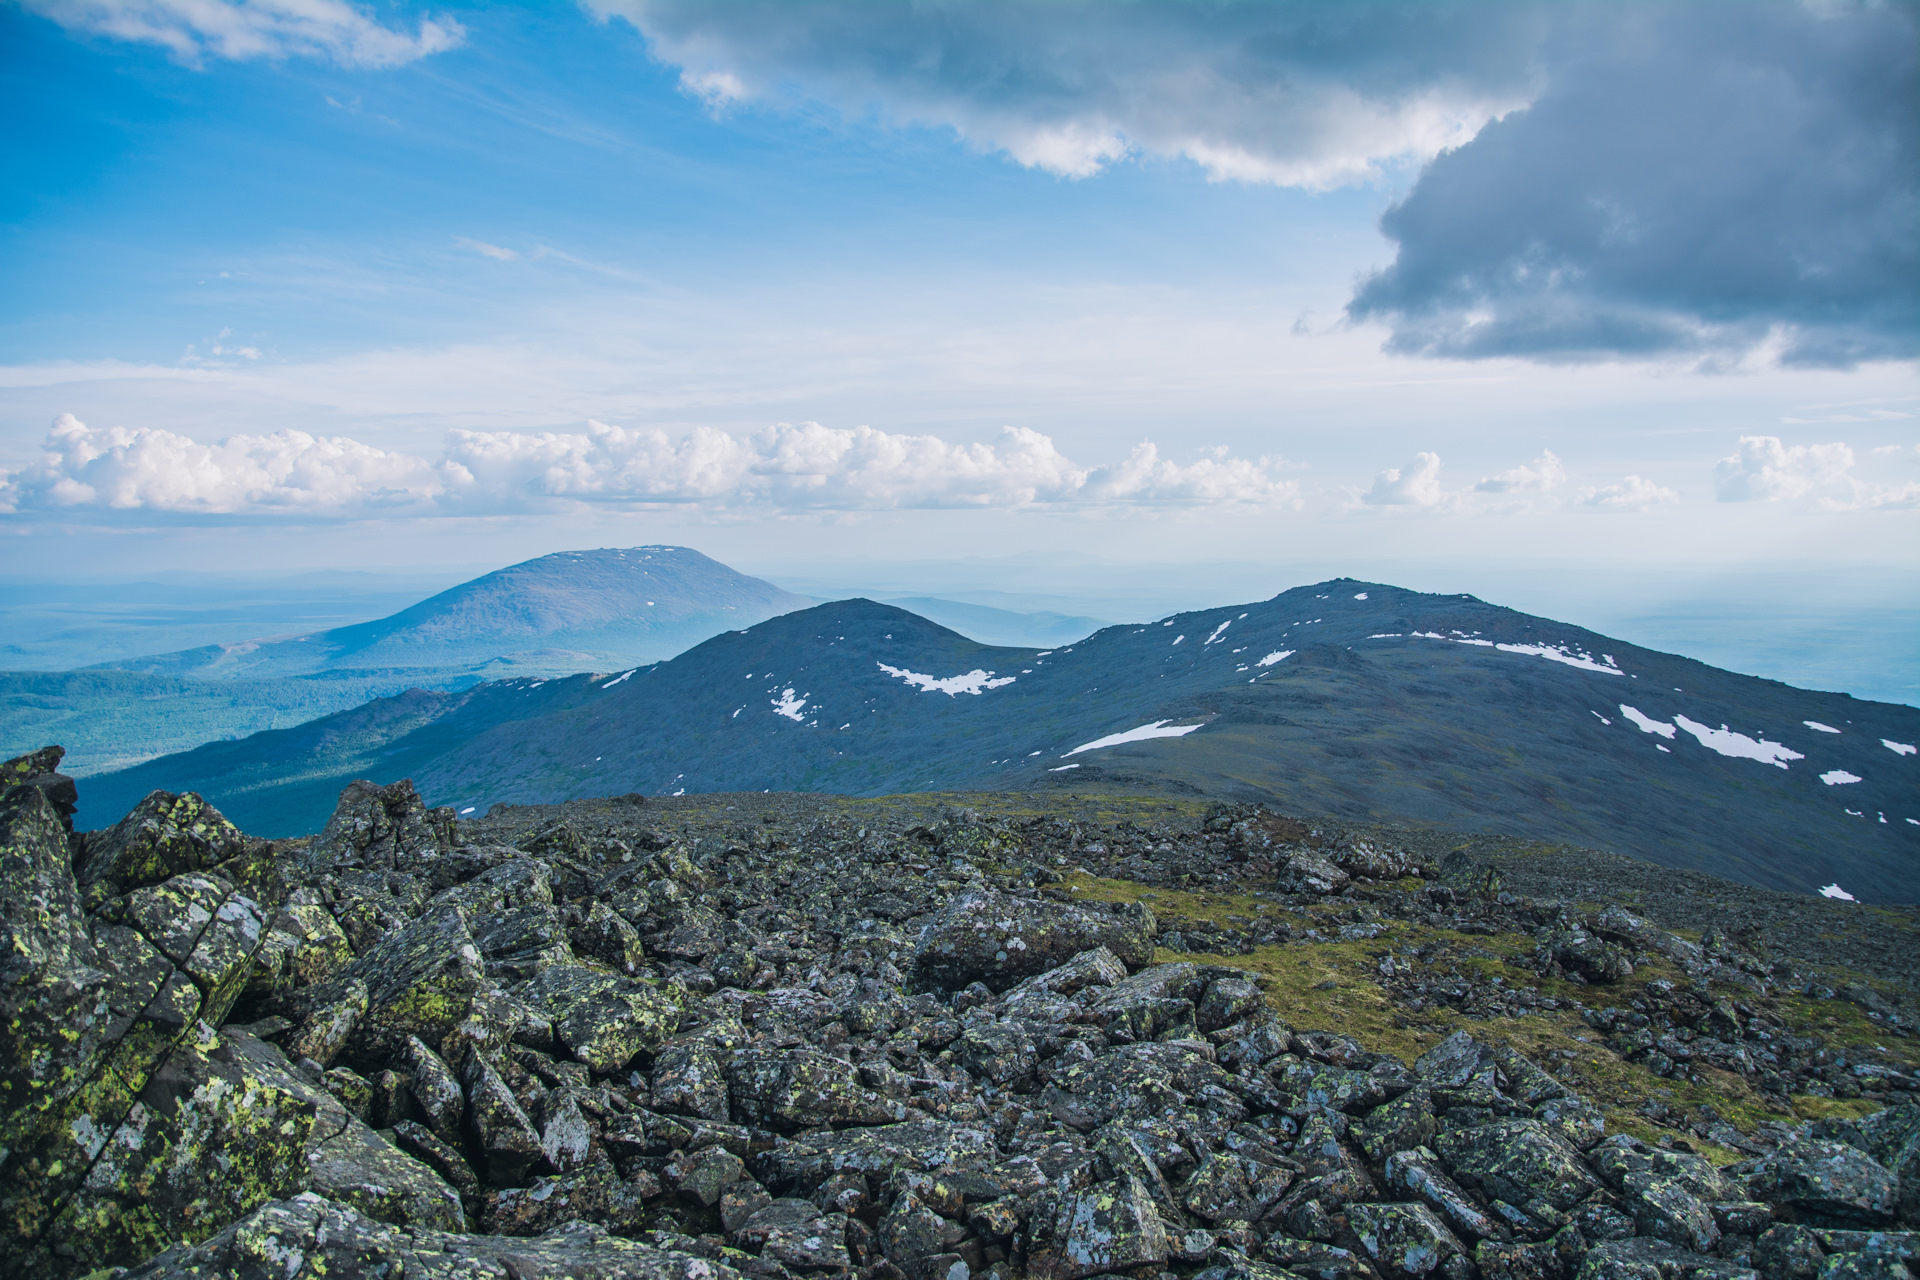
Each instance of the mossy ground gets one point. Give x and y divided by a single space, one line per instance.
1335 985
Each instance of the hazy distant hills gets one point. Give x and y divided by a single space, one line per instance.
1344 698
572 609
569 612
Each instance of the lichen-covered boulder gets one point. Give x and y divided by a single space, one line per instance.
1417 1172
1407 1241
1002 1052
1668 1210
304 946
1517 1161
799 1088
385 828
803 1163
52 1011
209 1139
1828 1184
502 1128
420 981
597 1195
1310 871
41 771
310 1238
796 1234
996 938
691 1080
1111 1226
358 1167
603 1019
1645 1258
1401 1124
1229 1187
1623 1155
1594 959
607 936
166 835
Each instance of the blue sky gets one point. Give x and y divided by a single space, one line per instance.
311 284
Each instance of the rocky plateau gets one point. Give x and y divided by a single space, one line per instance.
929 1038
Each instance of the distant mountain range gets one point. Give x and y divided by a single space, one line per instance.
1345 698
568 612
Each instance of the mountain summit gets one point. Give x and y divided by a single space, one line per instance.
613 606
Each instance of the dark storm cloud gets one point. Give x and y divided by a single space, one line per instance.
1701 181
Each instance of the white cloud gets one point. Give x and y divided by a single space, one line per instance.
1634 491
493 251
194 29
1542 475
1762 469
795 467
118 469
1414 485
1271 93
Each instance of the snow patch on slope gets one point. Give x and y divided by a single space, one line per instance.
1739 745
1158 729
1561 653
975 682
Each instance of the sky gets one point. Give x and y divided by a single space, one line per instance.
1555 288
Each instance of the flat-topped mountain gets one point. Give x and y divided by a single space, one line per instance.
1346 698
576 608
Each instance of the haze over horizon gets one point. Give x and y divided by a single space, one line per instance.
1482 293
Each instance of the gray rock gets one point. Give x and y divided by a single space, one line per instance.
1667 1209
1828 1183
1418 1173
998 939
1518 1161
308 1237
1643 1258
1111 1226
1407 1241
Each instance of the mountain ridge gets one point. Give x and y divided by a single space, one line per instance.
1346 698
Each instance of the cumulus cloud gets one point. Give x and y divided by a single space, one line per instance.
1415 485
1714 182
788 466
1294 92
142 469
241 29
1543 474
1762 469
1418 485
1632 492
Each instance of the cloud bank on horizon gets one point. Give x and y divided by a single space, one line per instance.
787 467
1711 181
117 471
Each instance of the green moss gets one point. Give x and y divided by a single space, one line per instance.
1816 1108
1335 985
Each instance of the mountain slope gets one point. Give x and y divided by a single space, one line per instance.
1348 699
568 611
284 782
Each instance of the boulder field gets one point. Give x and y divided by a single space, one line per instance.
537 1046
